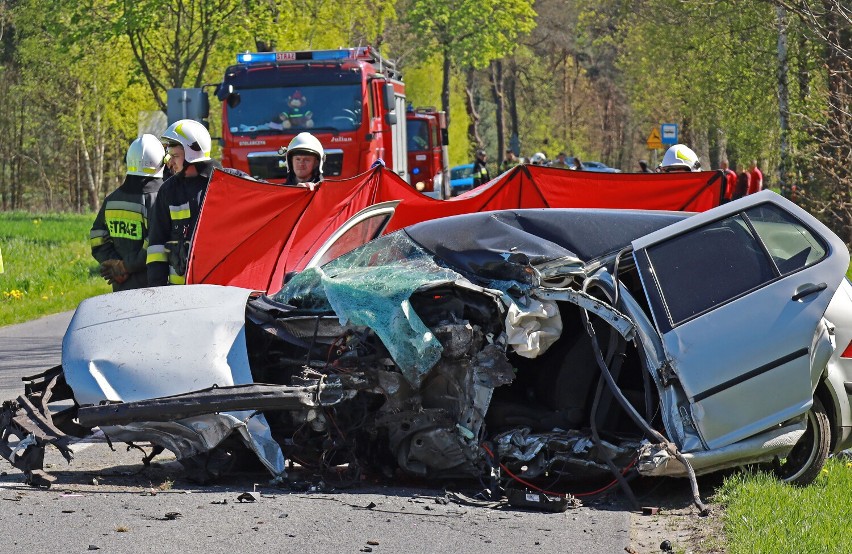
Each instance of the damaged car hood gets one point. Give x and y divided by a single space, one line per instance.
147 343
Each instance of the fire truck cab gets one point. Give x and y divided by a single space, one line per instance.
427 141
352 100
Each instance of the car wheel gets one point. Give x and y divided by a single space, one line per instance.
803 464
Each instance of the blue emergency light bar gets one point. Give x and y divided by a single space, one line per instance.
318 55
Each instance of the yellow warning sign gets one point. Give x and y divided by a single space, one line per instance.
654 141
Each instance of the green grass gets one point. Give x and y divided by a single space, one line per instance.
48 267
763 515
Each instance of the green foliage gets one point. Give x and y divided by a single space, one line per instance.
48 266
591 78
763 515
471 32
76 104
706 66
423 87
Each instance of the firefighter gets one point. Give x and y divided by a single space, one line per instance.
679 158
178 204
538 159
480 171
510 161
119 235
305 158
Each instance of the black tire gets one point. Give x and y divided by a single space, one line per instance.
808 457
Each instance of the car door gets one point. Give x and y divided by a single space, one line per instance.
737 294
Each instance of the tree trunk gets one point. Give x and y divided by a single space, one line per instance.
514 139
445 85
17 174
838 146
701 145
783 100
499 102
470 104
91 187
804 71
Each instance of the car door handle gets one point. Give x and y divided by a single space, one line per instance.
808 289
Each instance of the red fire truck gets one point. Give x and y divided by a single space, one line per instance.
427 151
352 100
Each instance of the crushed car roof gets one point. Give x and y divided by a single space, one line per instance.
474 241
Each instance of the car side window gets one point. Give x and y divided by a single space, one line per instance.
361 233
708 266
791 245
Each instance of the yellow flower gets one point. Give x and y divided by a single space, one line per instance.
13 294
44 297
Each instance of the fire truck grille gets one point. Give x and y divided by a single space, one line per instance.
333 166
267 167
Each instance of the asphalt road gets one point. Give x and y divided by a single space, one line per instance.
107 500
29 348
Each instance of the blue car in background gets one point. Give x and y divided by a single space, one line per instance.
461 179
599 167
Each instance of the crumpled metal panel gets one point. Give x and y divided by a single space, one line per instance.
197 435
656 461
571 453
148 343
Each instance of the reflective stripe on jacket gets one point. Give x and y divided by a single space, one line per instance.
172 223
120 230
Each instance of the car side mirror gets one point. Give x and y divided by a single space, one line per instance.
389 97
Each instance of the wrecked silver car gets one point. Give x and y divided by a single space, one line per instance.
526 344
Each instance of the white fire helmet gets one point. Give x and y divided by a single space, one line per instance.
538 158
305 143
145 157
194 138
679 158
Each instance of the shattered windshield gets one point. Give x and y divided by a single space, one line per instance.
371 287
289 109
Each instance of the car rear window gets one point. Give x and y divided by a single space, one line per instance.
461 172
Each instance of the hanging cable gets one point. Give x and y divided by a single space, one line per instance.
631 411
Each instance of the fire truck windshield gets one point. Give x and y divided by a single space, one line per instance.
418 135
287 109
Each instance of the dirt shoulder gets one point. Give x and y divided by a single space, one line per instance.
672 516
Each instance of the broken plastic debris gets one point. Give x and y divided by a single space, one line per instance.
537 500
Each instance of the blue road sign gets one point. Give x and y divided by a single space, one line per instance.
668 133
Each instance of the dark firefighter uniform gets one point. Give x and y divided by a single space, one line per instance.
480 173
120 230
173 221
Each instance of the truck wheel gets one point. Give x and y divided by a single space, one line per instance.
808 457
